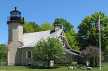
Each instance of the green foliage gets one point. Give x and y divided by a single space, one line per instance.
72 40
31 27
88 29
3 53
47 50
67 25
70 33
45 26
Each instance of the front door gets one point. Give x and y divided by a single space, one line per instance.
29 58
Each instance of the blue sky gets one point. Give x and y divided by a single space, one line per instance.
47 10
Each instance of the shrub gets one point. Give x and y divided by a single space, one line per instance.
47 50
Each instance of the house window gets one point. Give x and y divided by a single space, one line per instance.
29 54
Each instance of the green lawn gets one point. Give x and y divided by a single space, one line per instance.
22 68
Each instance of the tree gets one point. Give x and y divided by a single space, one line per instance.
31 27
67 25
88 30
70 33
3 53
47 50
45 26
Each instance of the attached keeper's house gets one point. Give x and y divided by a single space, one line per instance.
20 43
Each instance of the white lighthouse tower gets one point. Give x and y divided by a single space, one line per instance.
15 34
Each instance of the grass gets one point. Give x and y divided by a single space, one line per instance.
61 68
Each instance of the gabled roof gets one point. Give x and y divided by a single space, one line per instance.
31 39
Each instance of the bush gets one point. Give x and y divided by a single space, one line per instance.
3 54
50 49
